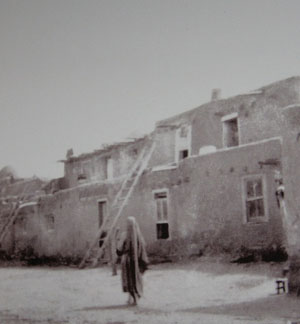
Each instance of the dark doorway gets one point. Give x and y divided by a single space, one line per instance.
102 213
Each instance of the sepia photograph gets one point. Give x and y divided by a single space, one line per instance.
149 161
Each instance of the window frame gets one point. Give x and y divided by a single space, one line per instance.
108 168
105 202
228 118
163 220
181 144
50 225
246 199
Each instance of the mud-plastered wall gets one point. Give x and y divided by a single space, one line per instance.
206 204
259 115
94 166
75 217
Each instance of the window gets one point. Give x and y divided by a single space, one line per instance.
230 130
254 199
84 171
81 176
183 142
102 214
102 209
162 225
162 230
109 168
183 154
49 221
184 131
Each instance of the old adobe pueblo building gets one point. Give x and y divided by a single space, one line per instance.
204 180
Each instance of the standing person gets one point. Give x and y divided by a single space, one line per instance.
134 260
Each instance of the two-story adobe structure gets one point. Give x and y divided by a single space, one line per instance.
210 182
209 185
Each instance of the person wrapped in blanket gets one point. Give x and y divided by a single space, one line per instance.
134 260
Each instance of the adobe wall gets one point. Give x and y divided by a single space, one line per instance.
23 187
76 217
205 201
164 152
93 165
205 192
259 114
291 179
205 207
25 231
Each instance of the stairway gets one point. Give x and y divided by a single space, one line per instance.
94 253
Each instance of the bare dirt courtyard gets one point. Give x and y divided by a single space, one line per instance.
197 292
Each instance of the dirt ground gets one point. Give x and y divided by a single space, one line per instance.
202 291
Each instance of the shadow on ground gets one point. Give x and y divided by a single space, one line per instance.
283 306
135 308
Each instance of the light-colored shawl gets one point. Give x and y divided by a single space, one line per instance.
134 258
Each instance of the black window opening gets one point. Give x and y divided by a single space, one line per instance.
183 154
162 225
81 176
162 230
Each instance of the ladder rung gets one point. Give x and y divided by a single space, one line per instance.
129 183
119 206
116 205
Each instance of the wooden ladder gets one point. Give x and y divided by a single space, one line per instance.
120 201
11 218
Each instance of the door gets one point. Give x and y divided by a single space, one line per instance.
102 214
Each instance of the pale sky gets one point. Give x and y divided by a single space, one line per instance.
76 74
